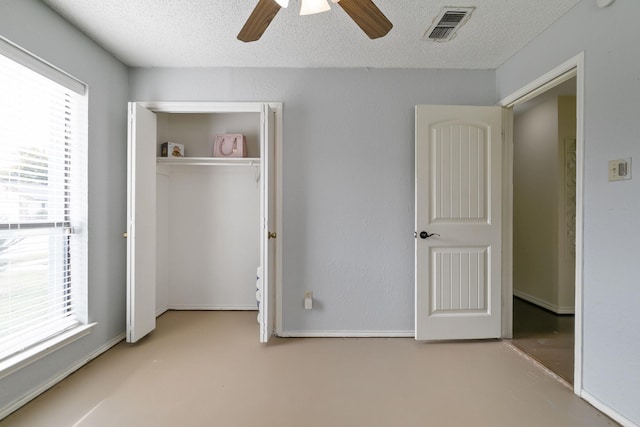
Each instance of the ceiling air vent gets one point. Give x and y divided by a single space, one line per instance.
447 23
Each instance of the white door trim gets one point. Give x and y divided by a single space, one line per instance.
507 223
574 66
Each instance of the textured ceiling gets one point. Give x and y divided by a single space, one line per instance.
202 33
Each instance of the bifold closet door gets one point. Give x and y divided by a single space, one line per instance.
141 223
269 236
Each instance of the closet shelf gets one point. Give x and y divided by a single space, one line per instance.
210 161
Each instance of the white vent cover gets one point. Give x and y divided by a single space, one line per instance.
447 23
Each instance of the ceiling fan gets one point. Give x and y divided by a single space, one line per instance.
366 14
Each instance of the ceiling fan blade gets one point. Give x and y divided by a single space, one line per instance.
368 17
259 20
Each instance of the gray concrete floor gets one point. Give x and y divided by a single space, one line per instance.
208 369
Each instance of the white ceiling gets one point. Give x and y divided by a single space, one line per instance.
202 33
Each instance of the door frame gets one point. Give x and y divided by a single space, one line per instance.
225 107
574 67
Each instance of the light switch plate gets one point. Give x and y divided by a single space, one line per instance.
620 169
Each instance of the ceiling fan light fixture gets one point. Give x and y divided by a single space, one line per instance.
309 7
364 13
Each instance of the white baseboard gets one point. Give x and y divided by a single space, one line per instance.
212 307
544 304
607 410
17 404
347 334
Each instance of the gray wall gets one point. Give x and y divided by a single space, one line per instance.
609 37
348 178
39 30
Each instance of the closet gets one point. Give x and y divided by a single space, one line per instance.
200 229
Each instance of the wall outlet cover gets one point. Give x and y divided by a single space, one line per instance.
308 300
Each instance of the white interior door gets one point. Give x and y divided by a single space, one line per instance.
141 223
458 222
268 237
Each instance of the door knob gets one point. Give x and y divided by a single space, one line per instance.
425 235
272 235
125 235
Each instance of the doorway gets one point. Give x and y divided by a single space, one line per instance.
544 212
571 69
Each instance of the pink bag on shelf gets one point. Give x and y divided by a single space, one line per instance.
230 145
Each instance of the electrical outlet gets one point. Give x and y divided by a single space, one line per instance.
620 169
308 300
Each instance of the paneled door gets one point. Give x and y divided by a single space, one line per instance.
458 222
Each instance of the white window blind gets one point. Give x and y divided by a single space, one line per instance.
42 204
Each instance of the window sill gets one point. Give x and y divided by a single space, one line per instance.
24 358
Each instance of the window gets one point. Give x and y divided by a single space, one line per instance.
42 202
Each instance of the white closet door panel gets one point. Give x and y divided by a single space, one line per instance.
141 223
214 226
269 237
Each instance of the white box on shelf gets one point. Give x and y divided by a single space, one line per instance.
171 149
